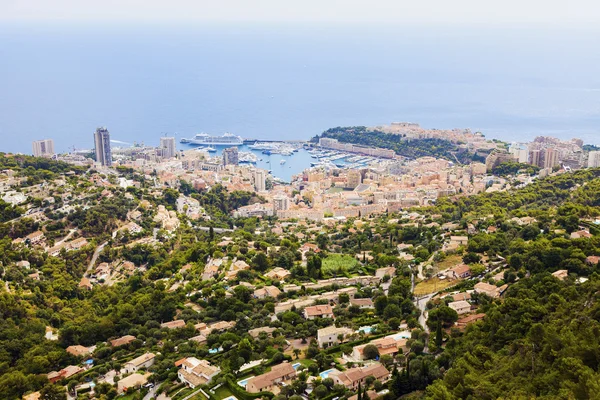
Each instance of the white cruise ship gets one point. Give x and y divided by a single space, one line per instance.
227 139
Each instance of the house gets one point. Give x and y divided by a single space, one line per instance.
387 345
35 238
131 381
255 333
371 393
463 322
278 273
352 377
461 306
330 336
306 247
78 350
389 271
267 291
23 264
235 268
143 361
85 283
179 323
487 289
460 271
268 382
122 341
457 241
561 274
200 339
78 243
461 296
322 311
362 303
592 260
64 373
33 396
581 234
194 372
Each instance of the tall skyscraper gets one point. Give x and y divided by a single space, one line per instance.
167 144
594 159
43 148
550 158
102 142
535 158
230 156
353 178
260 183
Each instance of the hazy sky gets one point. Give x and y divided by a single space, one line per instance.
564 13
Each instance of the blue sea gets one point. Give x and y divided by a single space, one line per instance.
292 82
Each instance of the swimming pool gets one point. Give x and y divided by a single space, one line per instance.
230 398
401 335
244 382
366 329
296 366
325 374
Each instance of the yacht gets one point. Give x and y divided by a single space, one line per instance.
225 140
282 162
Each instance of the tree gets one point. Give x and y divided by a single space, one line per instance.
53 392
439 335
370 352
321 391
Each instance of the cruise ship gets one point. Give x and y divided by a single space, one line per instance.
227 139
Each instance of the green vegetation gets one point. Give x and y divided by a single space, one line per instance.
339 264
512 168
413 148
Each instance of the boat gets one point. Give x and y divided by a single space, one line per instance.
210 149
228 139
282 162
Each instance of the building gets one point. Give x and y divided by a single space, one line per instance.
131 381
460 306
267 291
489 290
497 158
143 361
122 341
178 323
322 311
79 350
269 381
460 271
365 303
594 159
64 373
260 180
230 156
520 152
168 146
561 274
353 178
330 336
463 322
550 158
194 372
280 203
43 148
352 377
390 345
535 158
102 144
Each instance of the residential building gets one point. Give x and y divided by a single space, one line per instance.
353 178
594 159
122 341
102 145
320 311
550 158
35 238
255 333
179 323
390 345
131 381
269 381
330 336
561 274
260 183
461 306
267 291
43 148
230 156
168 146
194 372
280 203
78 350
278 273
352 377
362 303
489 290
461 271
143 361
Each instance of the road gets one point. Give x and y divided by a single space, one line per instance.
95 257
71 232
216 230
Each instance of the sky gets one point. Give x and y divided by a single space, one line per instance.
546 13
